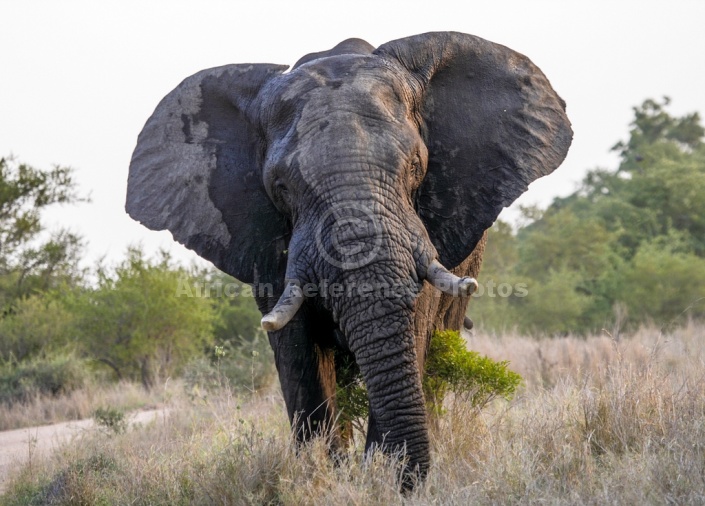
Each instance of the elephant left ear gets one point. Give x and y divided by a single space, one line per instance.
492 124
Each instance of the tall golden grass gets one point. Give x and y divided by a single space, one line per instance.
598 421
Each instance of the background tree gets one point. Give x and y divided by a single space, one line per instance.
133 317
136 321
633 238
30 258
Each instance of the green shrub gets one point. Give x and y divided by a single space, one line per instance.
450 367
351 394
54 375
111 419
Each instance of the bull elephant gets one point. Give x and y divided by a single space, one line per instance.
348 191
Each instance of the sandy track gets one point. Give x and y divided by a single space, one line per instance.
16 446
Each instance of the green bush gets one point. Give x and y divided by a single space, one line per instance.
111 419
54 375
450 367
33 325
351 394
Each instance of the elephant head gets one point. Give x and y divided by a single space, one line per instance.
361 168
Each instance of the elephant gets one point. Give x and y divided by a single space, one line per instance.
353 192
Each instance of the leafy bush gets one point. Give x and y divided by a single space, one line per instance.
34 325
111 419
450 367
54 375
138 322
351 394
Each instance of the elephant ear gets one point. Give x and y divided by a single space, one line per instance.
492 125
196 172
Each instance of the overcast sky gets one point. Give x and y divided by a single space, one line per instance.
80 78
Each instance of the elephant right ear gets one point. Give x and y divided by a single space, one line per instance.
196 171
492 124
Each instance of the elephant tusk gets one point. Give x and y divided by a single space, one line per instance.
449 283
289 303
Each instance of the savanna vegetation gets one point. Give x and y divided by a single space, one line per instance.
596 302
596 422
627 247
64 327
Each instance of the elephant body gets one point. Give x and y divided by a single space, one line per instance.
354 193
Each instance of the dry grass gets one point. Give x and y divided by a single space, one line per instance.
79 404
598 422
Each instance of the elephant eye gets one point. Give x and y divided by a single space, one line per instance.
417 170
282 191
416 166
280 186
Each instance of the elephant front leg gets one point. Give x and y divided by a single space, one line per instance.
307 376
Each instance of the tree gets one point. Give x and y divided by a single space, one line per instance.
663 282
631 237
138 323
38 324
29 260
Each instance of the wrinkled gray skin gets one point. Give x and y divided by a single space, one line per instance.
358 167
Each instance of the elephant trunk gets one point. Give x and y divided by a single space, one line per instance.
374 256
379 328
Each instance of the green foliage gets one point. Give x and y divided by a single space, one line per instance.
451 367
36 324
653 125
136 319
237 320
111 420
28 259
661 283
55 374
351 394
633 237
555 305
136 323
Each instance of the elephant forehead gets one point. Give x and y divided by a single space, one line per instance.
340 109
361 85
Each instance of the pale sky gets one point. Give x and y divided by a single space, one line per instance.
80 78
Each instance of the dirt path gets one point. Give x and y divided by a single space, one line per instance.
16 446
